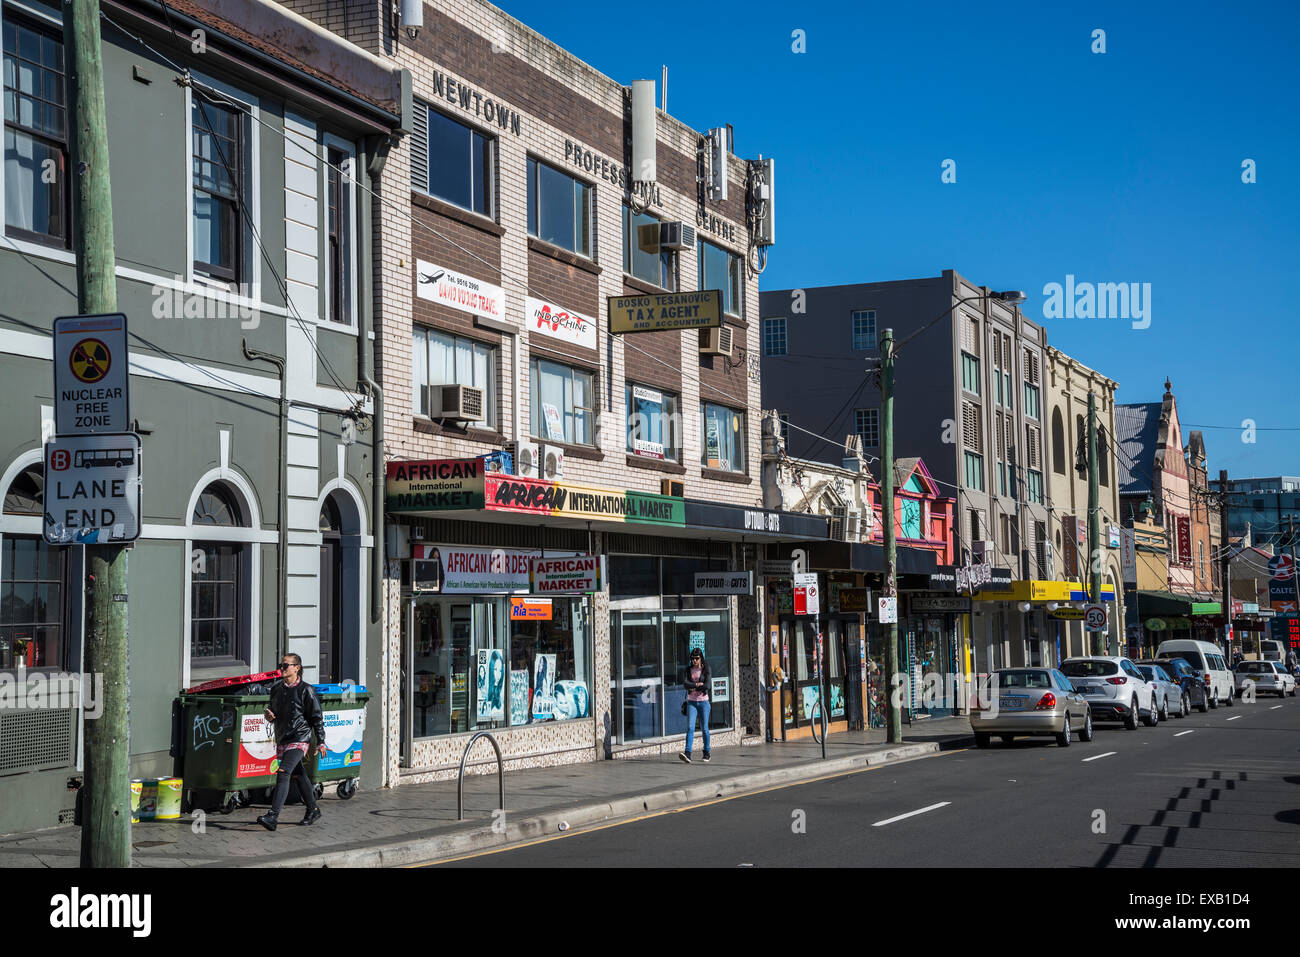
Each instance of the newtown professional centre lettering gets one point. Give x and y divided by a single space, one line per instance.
513 494
435 485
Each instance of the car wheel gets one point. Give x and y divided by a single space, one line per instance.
1086 733
1131 719
1213 697
1063 739
1231 701
982 739
1293 692
1164 709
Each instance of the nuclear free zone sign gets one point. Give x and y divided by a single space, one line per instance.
92 489
90 375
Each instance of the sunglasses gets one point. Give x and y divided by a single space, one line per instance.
286 664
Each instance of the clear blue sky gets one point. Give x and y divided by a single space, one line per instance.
1115 167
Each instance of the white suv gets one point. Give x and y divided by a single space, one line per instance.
1114 688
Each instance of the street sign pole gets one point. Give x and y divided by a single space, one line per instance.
106 811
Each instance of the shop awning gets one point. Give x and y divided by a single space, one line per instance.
858 557
1162 604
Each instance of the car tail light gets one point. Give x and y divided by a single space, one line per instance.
1207 679
1047 701
1115 681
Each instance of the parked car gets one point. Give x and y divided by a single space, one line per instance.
1170 696
1272 650
1185 675
1033 701
1208 661
1268 677
1114 688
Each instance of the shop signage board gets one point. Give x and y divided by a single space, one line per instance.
888 612
92 489
779 568
1112 536
556 322
573 575
1094 617
91 381
724 583
434 485
510 493
530 609
667 311
1128 554
806 600
854 600
457 291
950 603
467 570
1068 614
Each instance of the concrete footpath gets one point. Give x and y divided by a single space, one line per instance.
415 824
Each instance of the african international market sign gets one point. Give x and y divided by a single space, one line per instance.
575 575
434 485
510 493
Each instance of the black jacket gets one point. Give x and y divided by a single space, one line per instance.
297 713
703 685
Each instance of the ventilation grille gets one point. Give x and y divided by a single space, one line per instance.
420 147
970 427
35 740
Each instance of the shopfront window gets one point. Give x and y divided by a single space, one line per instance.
711 632
475 670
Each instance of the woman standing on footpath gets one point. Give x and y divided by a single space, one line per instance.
696 703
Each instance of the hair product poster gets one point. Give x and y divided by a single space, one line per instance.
544 688
519 696
491 682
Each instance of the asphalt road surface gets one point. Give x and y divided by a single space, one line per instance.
1220 789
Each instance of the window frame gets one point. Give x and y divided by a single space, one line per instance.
51 28
872 343
346 187
733 289
669 259
489 176
425 333
231 158
770 341
240 643
63 619
871 417
1033 391
970 372
975 460
737 434
533 194
537 420
671 425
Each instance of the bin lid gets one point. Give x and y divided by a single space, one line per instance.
340 689
233 682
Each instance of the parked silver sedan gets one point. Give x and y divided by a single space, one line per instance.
1170 696
1032 702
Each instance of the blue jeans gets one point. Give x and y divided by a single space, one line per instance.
694 708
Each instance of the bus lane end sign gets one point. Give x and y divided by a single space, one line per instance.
92 489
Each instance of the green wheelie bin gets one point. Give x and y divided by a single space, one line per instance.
226 748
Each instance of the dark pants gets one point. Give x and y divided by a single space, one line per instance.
292 768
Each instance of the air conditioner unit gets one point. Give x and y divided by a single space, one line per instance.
981 551
552 463
676 235
716 341
462 403
528 459
853 531
672 487
837 531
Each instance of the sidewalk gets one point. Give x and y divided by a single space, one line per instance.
417 823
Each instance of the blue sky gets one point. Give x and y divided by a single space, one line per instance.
1117 167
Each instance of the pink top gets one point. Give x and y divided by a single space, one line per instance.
693 694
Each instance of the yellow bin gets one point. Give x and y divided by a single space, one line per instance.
156 799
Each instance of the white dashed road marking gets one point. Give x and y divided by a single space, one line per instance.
891 820
1181 733
1096 756
1275 707
1236 716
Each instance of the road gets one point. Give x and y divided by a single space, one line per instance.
1220 789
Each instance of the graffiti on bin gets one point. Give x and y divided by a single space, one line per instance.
207 728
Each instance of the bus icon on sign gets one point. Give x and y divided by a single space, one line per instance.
103 458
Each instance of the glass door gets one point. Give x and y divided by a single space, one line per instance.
640 685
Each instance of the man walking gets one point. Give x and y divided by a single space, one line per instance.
296 711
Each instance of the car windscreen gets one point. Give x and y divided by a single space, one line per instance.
1255 668
1024 679
1175 666
1193 658
1089 669
1153 673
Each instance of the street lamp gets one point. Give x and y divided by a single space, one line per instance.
888 353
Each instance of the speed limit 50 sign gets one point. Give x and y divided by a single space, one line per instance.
1094 617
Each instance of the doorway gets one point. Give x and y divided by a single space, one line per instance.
331 595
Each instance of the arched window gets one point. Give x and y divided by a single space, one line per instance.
1103 457
1058 443
33 590
218 587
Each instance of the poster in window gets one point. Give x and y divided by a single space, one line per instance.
647 411
490 685
554 424
519 696
712 444
697 641
570 700
544 688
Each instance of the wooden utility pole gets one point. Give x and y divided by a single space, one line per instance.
1226 560
1100 640
894 732
106 808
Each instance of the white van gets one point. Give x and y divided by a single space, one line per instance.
1208 661
1272 650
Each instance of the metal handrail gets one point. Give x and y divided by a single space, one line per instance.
460 781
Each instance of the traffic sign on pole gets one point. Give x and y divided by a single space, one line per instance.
92 489
91 381
806 600
1094 617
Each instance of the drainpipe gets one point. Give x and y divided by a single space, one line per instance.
282 539
377 155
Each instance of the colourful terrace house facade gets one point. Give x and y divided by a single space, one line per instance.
923 516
